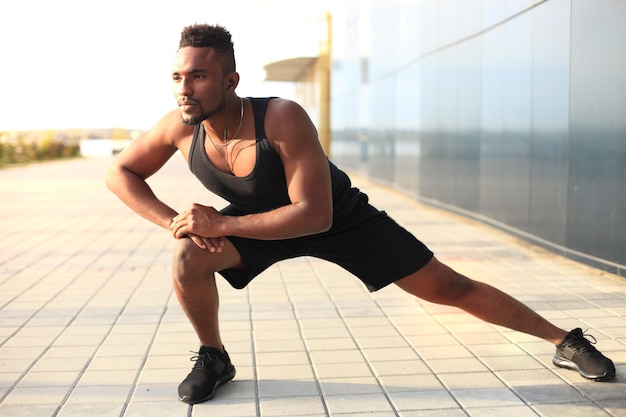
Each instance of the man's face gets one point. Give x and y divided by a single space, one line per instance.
198 78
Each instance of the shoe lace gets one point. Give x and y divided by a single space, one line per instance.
200 359
583 345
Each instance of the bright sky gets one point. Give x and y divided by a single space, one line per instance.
100 64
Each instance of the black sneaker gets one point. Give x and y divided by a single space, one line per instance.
577 353
211 370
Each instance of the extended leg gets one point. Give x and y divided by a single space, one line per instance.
438 283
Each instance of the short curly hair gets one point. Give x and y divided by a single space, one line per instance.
210 36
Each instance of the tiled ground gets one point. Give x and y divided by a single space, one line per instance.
89 325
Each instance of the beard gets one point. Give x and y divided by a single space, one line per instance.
192 120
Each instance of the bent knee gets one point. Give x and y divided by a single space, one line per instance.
186 251
191 262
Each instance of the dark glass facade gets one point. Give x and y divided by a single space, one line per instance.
513 111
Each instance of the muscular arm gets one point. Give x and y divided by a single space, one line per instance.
294 137
126 176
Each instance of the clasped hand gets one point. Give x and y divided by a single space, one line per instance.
198 223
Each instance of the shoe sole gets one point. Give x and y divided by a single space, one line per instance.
224 379
567 364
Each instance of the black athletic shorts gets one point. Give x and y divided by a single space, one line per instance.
367 243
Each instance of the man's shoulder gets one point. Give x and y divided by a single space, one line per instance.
172 128
172 121
282 107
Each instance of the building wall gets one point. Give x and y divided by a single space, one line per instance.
312 89
510 111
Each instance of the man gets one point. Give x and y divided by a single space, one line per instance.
287 200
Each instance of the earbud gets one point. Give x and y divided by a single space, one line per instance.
231 84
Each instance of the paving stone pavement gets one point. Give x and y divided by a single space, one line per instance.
89 325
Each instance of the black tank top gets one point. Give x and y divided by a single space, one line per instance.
265 188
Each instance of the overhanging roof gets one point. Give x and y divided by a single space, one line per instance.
288 69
